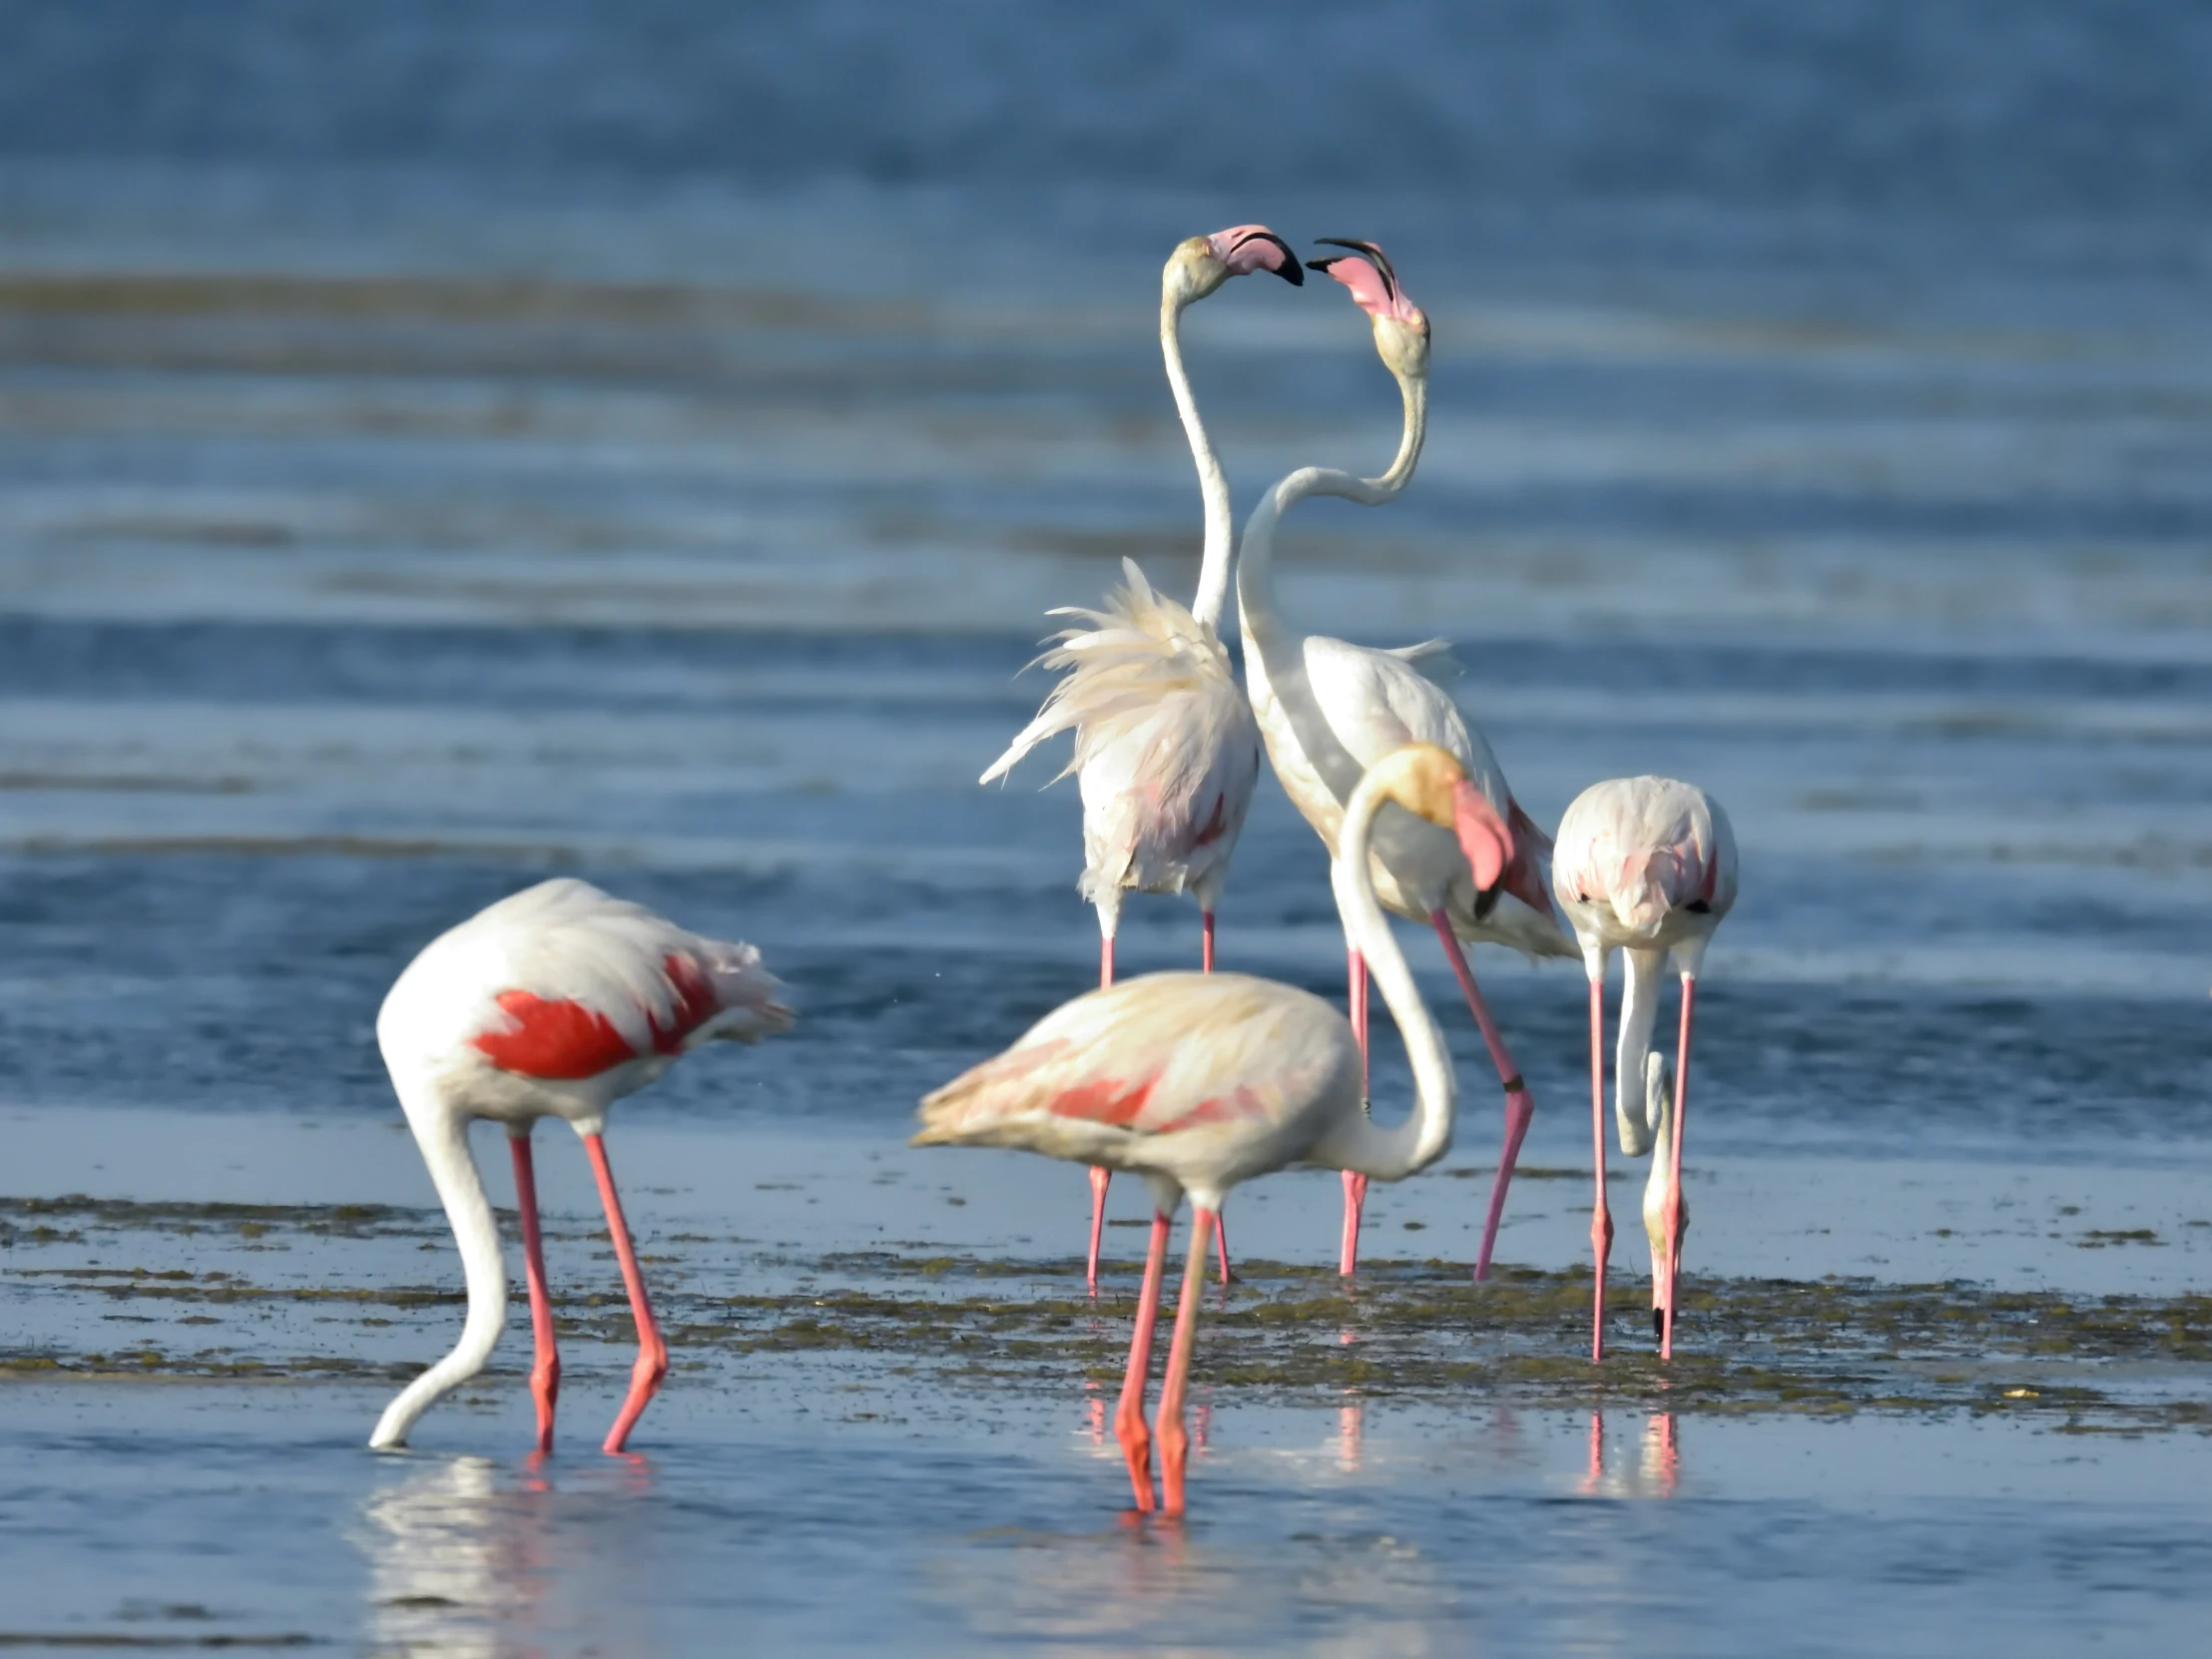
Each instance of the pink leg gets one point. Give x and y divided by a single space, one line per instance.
1206 945
1101 1179
545 1370
1601 1220
652 1366
1129 1428
1520 1109
1674 1163
1175 1442
1356 1185
1220 1244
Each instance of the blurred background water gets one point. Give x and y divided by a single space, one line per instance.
442 444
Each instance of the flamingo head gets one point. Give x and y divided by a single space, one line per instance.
1400 326
1201 265
1429 783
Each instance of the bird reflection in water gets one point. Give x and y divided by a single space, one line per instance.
466 1560
1656 1473
1348 1433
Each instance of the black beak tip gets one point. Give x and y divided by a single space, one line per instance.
1659 1324
1291 272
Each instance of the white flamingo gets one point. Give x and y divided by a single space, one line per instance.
1166 753
1200 1081
553 1003
1328 710
1648 866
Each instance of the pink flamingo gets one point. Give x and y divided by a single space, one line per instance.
1647 865
554 1002
1166 753
1200 1081
1328 708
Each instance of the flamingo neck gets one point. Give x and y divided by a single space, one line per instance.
443 1133
1281 654
1426 1136
1643 972
1213 483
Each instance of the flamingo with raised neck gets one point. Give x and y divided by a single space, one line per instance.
1327 710
1166 753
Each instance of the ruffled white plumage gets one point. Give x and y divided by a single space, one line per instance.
1166 748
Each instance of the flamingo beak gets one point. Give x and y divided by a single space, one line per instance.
1483 835
1249 247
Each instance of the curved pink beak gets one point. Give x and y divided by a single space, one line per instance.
1244 249
1485 836
1367 272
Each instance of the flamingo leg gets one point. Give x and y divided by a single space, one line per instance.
1205 940
652 1366
545 1370
1101 1179
1601 1220
1356 1185
1129 1428
1520 1107
1674 1162
1175 1442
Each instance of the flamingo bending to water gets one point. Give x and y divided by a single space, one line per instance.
553 1003
1647 865
1328 710
1166 753
1200 1081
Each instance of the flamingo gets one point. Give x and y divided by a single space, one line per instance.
554 1002
1166 753
1647 865
1198 1082
1328 708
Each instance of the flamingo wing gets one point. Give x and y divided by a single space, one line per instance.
564 982
1159 1057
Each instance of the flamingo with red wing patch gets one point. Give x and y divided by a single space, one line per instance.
554 1002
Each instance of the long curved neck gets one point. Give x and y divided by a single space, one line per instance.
1281 653
1213 483
1426 1136
1643 979
443 1136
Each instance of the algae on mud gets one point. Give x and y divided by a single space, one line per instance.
1416 1329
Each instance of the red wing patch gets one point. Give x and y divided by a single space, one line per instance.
695 1004
1522 878
563 1040
1109 1101
567 1040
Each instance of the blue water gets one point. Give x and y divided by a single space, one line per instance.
442 445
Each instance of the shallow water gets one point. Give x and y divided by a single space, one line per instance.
441 447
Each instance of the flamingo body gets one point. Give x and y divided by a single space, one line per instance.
554 1002
1196 1080
1166 748
1645 864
